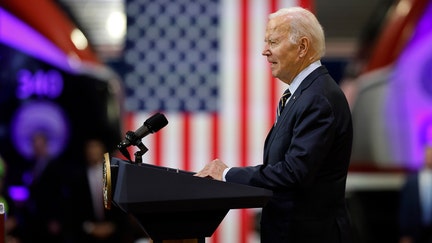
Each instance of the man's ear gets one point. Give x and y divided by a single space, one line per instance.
304 45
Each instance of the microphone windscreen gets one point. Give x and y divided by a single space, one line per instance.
156 122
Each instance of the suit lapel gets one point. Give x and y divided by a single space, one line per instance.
304 85
286 111
266 147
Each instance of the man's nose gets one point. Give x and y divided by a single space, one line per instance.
266 51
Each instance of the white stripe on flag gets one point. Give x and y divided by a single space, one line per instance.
287 3
172 134
229 85
200 141
229 110
259 84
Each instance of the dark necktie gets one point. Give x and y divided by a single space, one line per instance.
282 103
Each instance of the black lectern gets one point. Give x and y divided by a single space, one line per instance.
173 204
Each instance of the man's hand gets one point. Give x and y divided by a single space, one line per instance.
214 170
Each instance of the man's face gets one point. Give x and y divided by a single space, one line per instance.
94 152
282 55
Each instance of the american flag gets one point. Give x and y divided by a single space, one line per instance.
199 62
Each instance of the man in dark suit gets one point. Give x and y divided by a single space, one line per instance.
415 209
307 151
85 219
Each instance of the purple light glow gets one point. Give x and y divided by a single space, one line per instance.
409 102
41 83
39 116
426 131
18 35
18 193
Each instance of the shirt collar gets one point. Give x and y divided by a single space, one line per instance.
302 75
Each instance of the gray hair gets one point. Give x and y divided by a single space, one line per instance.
303 23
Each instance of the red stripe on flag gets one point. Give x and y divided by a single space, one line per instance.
243 101
243 92
307 4
274 94
158 141
215 135
129 124
157 149
215 154
186 141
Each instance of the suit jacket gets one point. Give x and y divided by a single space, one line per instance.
78 208
306 159
410 211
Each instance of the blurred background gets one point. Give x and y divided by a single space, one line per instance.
76 70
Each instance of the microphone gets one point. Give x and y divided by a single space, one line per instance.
151 125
